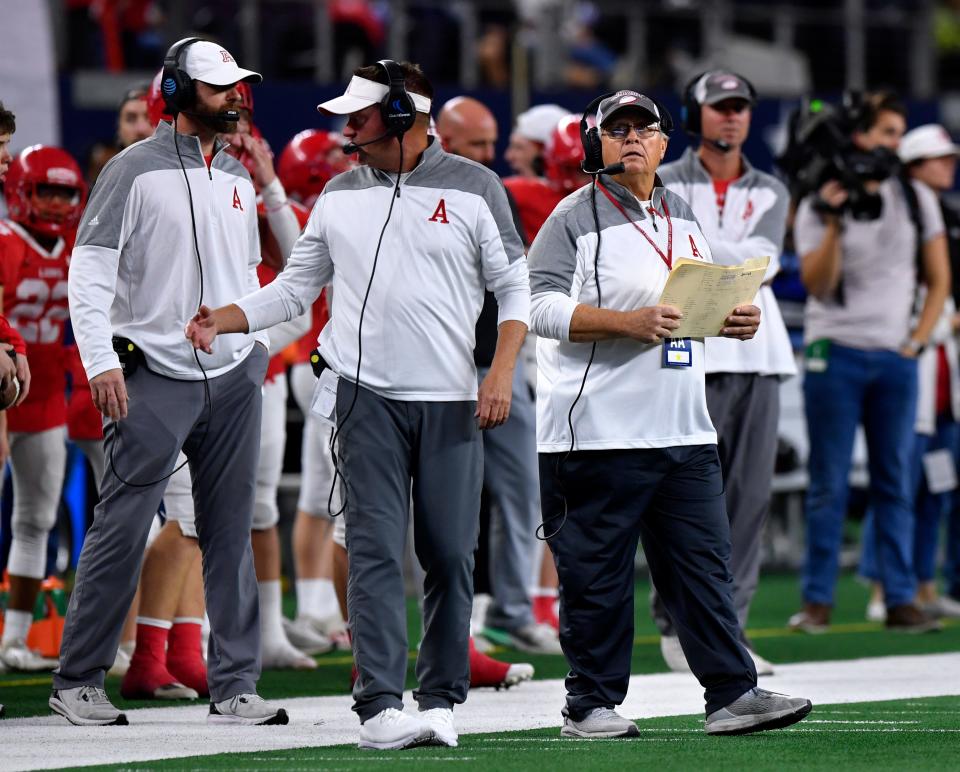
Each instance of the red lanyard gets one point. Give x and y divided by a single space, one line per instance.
667 258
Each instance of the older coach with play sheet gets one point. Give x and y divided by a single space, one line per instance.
627 449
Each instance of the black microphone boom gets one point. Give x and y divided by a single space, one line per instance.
719 144
612 169
352 147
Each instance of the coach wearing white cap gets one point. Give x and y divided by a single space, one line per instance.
171 223
529 139
409 240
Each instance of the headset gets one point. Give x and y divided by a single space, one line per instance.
399 115
178 89
590 136
690 109
397 110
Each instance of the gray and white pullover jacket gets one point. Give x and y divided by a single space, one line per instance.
450 236
629 400
134 270
752 224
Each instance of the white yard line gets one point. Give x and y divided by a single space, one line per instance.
156 733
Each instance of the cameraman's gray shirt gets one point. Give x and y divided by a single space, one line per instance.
879 270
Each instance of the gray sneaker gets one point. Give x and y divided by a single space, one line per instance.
248 710
86 706
599 723
756 711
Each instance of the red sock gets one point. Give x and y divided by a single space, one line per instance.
148 669
151 645
484 670
185 655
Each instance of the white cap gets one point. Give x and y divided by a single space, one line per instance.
538 122
929 141
213 64
361 93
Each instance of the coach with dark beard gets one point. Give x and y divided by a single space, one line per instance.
171 224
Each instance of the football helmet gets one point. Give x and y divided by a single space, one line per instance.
44 190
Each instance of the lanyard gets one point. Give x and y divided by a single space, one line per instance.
667 258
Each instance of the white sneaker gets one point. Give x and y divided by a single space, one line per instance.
86 706
121 664
16 656
392 729
478 613
306 637
876 611
600 723
284 656
3 710
763 666
440 720
246 709
673 654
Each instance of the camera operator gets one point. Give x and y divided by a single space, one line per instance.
864 246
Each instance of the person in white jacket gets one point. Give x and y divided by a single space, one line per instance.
636 458
171 223
409 240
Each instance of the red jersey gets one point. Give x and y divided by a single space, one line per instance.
35 301
269 268
536 199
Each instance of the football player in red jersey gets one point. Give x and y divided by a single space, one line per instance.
10 340
307 163
45 195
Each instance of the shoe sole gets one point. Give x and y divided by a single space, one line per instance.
569 731
60 709
915 629
280 718
400 745
755 723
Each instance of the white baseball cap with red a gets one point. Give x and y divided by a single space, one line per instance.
213 64
928 141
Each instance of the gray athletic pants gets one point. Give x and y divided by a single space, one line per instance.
383 445
744 408
512 479
222 445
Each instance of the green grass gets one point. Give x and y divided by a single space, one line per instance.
850 637
900 734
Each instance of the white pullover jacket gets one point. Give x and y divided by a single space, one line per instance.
751 225
450 235
629 400
134 271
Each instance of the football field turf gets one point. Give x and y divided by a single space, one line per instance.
900 734
914 730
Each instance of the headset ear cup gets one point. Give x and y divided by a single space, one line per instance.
397 109
594 149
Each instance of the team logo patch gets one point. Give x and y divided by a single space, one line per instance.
694 252
440 213
226 56
237 203
627 99
728 84
748 211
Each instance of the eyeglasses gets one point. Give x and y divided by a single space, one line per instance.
621 131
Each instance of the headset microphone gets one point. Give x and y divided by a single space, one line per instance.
352 147
719 144
612 169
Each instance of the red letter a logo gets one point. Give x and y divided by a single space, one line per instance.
693 249
440 215
236 199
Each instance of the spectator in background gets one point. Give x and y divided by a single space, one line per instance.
930 157
861 364
529 138
133 124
